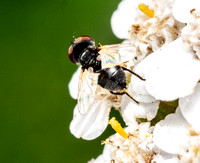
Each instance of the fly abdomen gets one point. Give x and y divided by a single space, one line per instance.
113 79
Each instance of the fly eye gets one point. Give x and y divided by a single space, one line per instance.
70 53
83 38
78 46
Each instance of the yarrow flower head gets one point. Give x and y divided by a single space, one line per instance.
179 133
164 124
191 33
150 27
137 147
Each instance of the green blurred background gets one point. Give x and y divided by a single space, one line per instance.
35 106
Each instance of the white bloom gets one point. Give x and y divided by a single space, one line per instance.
90 125
191 149
170 72
73 84
191 33
171 67
182 9
175 136
137 88
189 12
163 157
148 34
179 133
169 133
190 108
155 32
125 16
131 110
138 147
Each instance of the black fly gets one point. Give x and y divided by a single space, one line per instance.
102 65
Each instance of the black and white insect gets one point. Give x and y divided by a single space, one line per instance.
100 65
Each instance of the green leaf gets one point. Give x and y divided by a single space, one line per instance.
165 108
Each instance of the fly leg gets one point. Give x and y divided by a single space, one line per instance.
125 69
122 93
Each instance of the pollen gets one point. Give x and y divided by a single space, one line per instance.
145 9
100 44
117 127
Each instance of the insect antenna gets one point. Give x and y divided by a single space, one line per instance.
125 69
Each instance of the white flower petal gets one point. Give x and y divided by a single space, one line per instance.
190 108
182 8
73 84
138 90
190 33
135 147
107 152
161 159
90 125
147 110
170 72
124 17
121 19
130 110
144 130
127 110
99 159
170 133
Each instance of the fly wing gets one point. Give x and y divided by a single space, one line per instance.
91 115
86 90
117 54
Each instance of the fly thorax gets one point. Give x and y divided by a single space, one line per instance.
88 58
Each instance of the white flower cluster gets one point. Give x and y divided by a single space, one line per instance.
137 147
167 36
146 34
191 33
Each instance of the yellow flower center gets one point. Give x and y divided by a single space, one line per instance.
117 127
145 9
